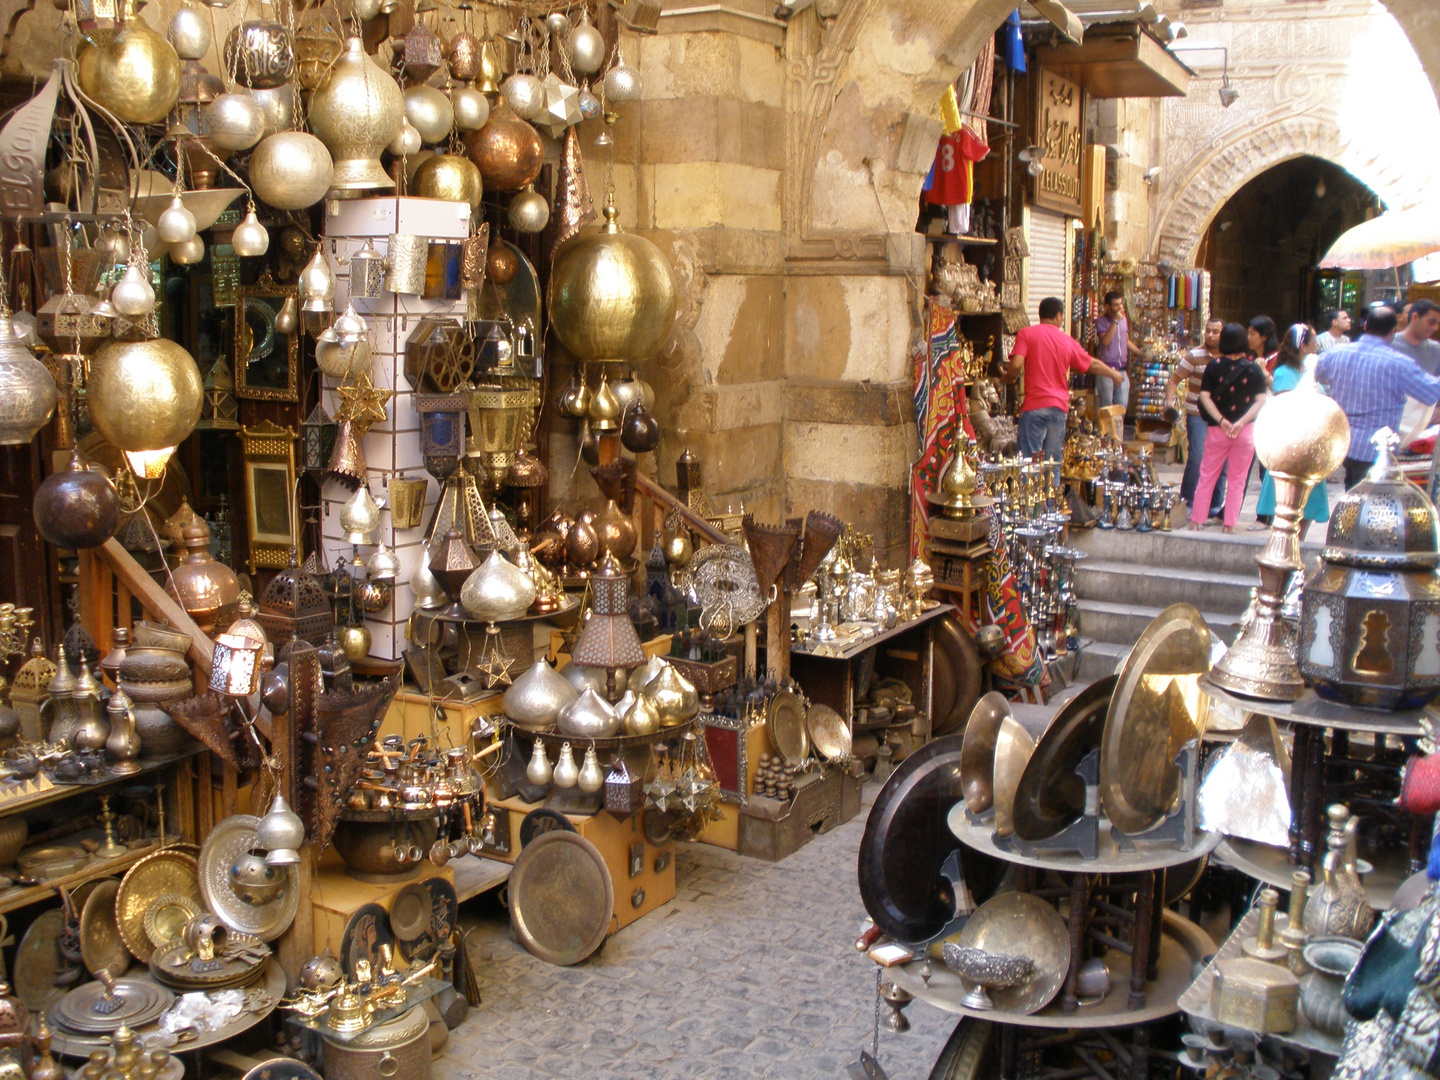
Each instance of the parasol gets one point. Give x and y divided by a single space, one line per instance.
1390 240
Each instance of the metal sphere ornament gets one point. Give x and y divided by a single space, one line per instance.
250 238
187 252
355 642
507 150
27 390
133 295
612 294
144 395
235 121
136 73
365 10
558 23
525 94
407 142
291 170
176 224
279 107
429 111
76 507
448 176
471 107
501 264
261 53
587 47
622 83
529 212
189 33
639 431
463 54
356 112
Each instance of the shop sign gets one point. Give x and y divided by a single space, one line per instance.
1059 131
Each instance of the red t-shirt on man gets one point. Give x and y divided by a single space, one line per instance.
1050 355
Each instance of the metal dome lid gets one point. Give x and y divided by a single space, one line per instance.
1384 522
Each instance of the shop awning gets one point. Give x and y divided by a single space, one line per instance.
1062 18
1119 60
1392 239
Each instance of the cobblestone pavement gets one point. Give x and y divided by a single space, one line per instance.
749 972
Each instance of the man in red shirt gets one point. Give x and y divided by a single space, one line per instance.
1047 355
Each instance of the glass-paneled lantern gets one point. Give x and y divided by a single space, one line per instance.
442 432
219 410
317 441
497 422
1370 616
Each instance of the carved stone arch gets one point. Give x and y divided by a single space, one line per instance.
1212 176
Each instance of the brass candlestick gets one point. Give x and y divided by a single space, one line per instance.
110 849
160 809
1301 437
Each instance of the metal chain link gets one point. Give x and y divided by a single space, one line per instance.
875 1033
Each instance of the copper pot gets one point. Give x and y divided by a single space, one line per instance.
76 508
370 840
507 150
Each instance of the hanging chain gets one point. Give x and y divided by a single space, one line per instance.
875 1032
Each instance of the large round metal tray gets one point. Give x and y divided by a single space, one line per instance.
785 720
101 948
977 751
140 1003
1022 925
169 870
561 898
1050 795
231 838
37 962
957 656
829 733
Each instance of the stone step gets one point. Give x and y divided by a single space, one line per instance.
1122 624
1153 586
1177 552
1098 659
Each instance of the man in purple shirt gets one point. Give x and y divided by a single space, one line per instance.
1113 330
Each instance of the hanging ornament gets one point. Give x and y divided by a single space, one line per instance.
471 108
407 142
250 238
538 772
260 53
429 111
592 777
316 284
574 400
135 72
525 94
280 832
639 433
287 319
622 82
133 296
567 773
558 23
189 34
463 54
356 112
448 176
145 398
590 108
572 191
384 565
507 150
187 252
291 170
360 516
279 108
27 390
529 212
235 121
176 224
587 46
562 107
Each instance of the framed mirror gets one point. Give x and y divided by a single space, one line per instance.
266 359
270 512
726 739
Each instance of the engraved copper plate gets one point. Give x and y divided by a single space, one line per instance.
101 947
1156 709
228 841
785 719
1050 796
977 751
164 872
1019 924
37 961
829 733
561 898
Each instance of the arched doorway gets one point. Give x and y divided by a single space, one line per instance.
1262 246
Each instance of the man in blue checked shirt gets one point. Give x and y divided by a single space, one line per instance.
1370 381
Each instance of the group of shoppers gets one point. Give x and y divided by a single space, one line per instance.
1228 379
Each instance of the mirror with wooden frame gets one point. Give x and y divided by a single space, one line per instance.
266 360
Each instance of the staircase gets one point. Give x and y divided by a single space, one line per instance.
1128 578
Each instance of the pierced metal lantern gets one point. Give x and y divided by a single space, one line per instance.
235 670
624 790
317 441
293 607
442 432
439 356
219 411
497 420
1370 616
367 273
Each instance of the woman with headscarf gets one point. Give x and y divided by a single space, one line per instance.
1298 346
1232 392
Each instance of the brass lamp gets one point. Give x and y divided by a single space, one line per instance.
219 411
608 639
317 441
497 416
235 670
1301 437
201 585
442 432
294 608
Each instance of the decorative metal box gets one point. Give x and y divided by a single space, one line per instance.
1370 616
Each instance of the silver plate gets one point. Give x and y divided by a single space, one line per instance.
228 841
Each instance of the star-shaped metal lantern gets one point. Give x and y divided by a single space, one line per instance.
363 404
494 666
562 107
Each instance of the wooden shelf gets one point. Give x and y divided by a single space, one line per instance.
17 803
23 895
964 241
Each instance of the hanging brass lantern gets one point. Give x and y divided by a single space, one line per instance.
355 112
201 585
221 412
612 295
317 441
76 507
291 170
497 414
145 398
448 176
260 53
136 72
507 150
27 390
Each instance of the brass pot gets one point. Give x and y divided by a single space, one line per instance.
368 841
356 112
616 532
160 735
448 176
76 508
13 834
612 294
136 74
144 395
396 1048
507 150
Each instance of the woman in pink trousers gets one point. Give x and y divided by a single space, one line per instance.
1232 392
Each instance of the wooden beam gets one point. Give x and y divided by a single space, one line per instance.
658 495
157 601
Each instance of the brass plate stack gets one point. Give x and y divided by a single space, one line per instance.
167 872
139 1004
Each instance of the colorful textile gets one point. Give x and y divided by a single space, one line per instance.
1021 663
940 414
953 171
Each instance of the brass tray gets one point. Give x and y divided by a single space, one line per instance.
37 962
166 916
101 947
785 719
367 930
36 860
1013 748
410 912
1050 796
168 871
959 660
140 1003
561 898
828 732
170 965
231 838
1022 925
1156 709
977 752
